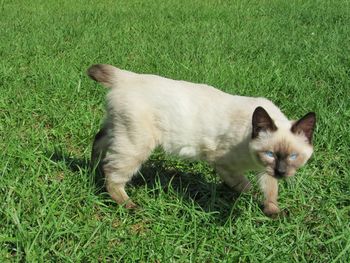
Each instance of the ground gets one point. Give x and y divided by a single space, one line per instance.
295 53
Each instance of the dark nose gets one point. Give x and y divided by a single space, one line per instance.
280 168
280 173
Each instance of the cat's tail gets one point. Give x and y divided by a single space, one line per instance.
106 74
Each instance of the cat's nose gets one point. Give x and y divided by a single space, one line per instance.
280 169
280 172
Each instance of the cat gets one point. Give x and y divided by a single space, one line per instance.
234 134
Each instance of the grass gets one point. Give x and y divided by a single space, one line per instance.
295 53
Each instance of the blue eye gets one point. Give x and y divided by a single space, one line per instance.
269 154
293 156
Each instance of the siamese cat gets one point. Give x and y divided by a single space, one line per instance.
234 134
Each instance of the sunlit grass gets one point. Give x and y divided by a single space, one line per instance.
295 53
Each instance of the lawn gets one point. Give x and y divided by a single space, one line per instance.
296 53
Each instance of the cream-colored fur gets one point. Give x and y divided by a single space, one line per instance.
190 120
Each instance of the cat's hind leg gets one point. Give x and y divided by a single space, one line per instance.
123 159
99 147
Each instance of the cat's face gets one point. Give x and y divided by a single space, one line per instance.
281 148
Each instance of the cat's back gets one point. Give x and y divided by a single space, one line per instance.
166 90
153 84
147 92
163 95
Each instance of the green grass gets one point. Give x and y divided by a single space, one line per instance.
295 53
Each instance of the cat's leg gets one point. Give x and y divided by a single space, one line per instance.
98 153
269 186
236 180
123 159
99 147
118 170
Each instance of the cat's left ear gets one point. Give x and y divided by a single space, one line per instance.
305 125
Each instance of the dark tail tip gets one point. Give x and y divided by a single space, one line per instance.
102 73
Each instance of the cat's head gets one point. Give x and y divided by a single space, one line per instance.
281 147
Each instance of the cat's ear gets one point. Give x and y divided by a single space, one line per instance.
305 125
262 122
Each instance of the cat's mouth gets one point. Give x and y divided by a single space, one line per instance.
276 173
281 175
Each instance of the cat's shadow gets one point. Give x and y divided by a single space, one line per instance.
157 175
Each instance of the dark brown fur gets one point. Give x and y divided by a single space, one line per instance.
306 125
101 73
261 121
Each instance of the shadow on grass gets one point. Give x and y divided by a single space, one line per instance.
205 191
74 164
157 174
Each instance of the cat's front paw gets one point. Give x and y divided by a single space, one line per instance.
130 205
271 209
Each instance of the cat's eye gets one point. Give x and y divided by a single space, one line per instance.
293 156
269 154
